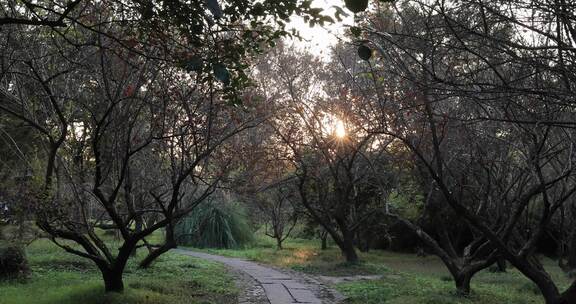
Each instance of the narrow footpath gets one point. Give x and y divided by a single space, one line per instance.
280 287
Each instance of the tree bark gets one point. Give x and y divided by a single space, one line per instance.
462 281
113 280
541 279
169 243
324 240
571 251
350 254
501 264
279 243
348 250
568 296
155 254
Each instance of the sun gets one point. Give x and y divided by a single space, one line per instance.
339 129
332 126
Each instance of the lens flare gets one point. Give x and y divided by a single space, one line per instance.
339 129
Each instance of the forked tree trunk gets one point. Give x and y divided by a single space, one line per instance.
152 256
169 243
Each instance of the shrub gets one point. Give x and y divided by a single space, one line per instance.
215 225
23 233
13 263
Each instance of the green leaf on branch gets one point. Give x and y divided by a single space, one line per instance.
356 31
339 13
364 52
356 6
258 10
194 64
221 73
214 8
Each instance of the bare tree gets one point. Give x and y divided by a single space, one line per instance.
106 117
278 206
459 83
319 140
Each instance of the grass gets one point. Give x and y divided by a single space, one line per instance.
61 278
408 288
58 277
302 255
406 278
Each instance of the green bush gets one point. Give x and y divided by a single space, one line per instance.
13 263
23 233
215 225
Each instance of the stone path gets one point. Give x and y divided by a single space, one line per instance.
280 287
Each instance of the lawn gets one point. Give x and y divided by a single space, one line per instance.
61 278
406 278
58 277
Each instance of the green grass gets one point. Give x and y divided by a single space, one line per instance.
408 288
58 277
61 278
407 278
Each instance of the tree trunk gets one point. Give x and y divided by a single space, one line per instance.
137 229
571 252
168 244
279 243
363 240
350 254
324 239
501 265
568 296
462 281
348 250
113 280
542 280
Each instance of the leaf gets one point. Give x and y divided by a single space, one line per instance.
315 11
364 52
194 64
339 11
221 73
258 9
356 6
214 8
356 31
